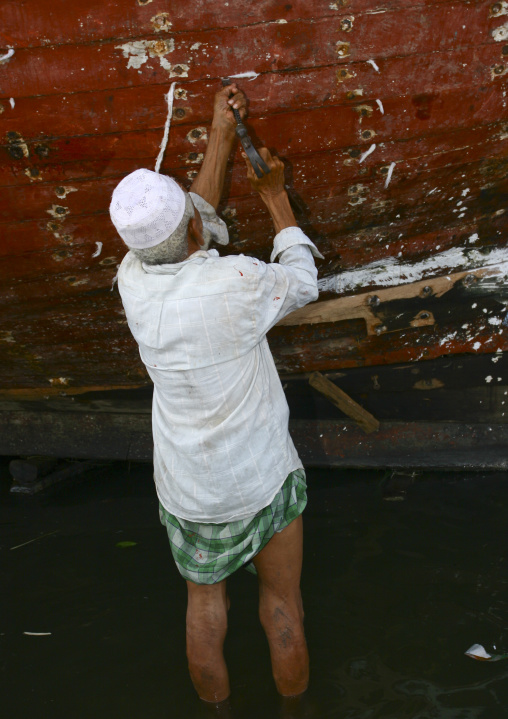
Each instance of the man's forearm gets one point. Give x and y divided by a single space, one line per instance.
280 211
210 180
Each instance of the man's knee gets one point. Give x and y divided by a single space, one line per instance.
281 616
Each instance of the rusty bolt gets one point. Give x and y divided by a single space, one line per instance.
16 152
34 172
496 8
180 112
347 24
196 133
13 136
42 150
178 70
428 382
367 134
355 152
499 69
193 155
374 301
384 170
380 329
423 316
469 280
427 291
60 210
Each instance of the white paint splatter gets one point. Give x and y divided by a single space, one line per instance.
374 65
251 75
12 102
465 192
367 153
282 21
381 108
488 379
389 272
7 56
196 46
473 238
477 346
431 191
389 175
98 250
494 321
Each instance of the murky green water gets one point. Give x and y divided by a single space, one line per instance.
394 593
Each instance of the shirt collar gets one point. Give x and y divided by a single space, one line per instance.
173 269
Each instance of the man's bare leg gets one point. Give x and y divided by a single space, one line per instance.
207 622
279 567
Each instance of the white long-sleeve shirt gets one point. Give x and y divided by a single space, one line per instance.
222 448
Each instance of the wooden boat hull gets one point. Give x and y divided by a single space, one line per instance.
393 124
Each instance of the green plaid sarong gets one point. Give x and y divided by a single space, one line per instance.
209 553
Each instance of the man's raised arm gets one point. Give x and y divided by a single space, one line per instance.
210 180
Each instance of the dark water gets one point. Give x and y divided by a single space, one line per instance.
394 593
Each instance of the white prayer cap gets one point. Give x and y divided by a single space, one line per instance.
146 208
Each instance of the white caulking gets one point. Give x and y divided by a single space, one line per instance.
432 191
381 108
169 97
374 65
115 279
250 75
389 175
7 56
12 102
367 153
98 250
389 272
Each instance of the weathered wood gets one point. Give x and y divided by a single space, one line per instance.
344 402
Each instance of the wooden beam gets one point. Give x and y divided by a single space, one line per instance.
344 402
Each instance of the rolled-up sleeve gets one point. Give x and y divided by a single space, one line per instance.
291 283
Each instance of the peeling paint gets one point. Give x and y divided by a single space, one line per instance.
138 51
344 74
34 174
389 174
12 102
17 146
500 33
161 22
98 250
343 49
364 110
381 108
389 272
194 158
180 94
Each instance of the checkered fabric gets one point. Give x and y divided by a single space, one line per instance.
209 553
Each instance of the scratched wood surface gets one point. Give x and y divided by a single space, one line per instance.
82 103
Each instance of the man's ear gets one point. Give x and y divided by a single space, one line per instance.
194 232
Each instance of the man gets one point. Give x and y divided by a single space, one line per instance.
230 483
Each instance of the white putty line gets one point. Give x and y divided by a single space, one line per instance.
169 97
98 250
115 279
381 108
367 153
389 175
374 65
390 272
251 75
7 56
12 102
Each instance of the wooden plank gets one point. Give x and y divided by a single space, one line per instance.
40 22
141 108
344 402
216 53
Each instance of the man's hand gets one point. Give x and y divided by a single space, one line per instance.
272 190
225 100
